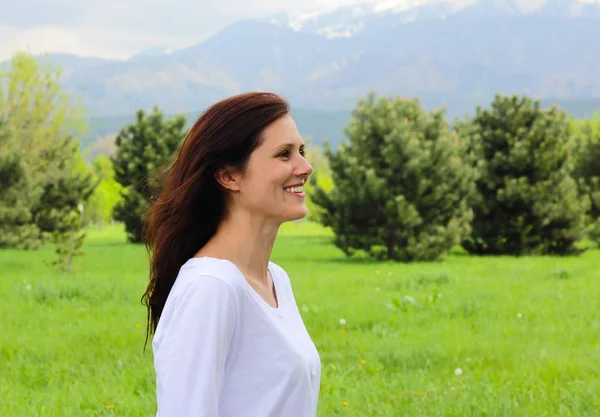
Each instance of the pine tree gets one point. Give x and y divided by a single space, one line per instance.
61 215
401 183
587 170
143 147
527 200
16 225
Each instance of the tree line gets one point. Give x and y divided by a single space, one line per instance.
407 185
512 179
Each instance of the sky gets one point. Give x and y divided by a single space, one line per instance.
117 29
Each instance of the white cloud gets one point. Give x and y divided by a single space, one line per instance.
96 42
120 28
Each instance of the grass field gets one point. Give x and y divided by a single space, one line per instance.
466 336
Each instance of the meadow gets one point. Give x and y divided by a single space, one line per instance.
465 336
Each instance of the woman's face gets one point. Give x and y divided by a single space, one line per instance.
272 184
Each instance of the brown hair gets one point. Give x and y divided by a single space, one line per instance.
191 203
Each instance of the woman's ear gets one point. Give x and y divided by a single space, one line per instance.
228 179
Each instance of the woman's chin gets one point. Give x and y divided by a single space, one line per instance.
297 214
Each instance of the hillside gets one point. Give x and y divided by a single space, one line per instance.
314 125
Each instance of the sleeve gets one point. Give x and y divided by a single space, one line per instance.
190 358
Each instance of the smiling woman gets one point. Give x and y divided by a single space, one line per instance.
228 336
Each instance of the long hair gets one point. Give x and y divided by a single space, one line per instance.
191 204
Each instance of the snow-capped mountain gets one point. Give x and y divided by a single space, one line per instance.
454 53
351 20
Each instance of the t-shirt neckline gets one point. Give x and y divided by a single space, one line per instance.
278 293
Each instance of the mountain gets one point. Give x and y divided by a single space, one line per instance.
155 52
350 21
455 53
314 125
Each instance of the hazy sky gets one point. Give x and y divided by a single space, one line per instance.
119 28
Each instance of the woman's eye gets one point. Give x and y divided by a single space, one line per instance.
286 154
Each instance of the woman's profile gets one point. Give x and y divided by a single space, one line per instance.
229 340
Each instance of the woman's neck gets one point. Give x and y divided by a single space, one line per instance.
247 241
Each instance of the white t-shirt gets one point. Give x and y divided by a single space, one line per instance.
221 351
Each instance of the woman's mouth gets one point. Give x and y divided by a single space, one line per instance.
296 189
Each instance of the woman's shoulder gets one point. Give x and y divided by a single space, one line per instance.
203 290
197 271
212 269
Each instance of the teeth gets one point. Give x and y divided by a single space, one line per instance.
295 189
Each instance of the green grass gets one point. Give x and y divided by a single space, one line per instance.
524 331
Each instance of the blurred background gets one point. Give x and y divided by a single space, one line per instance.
449 265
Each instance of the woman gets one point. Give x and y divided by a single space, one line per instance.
230 341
